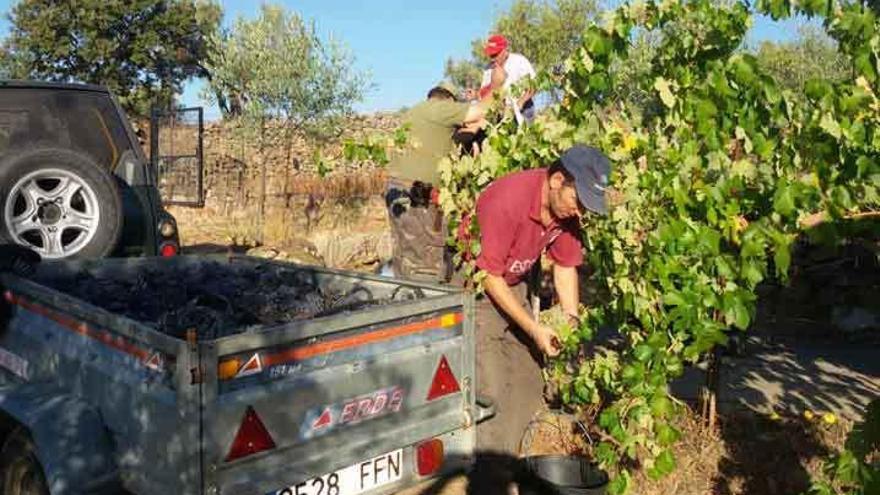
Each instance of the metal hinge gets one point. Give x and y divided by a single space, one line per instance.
197 375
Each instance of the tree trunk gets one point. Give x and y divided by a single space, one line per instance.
709 391
262 207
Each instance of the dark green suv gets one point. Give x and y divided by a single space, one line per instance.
74 181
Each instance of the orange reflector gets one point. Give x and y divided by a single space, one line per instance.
444 382
429 457
228 368
448 320
252 437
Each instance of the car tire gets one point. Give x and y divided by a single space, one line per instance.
20 470
59 203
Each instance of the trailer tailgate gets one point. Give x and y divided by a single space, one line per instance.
303 414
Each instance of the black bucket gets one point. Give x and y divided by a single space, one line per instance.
561 475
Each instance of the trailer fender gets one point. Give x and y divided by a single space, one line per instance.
73 445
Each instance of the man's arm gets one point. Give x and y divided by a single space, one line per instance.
567 254
525 97
565 278
544 337
477 112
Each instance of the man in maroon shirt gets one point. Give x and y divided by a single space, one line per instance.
520 216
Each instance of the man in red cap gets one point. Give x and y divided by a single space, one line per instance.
514 69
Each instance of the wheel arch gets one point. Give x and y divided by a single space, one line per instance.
72 444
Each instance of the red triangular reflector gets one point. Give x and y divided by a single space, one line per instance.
252 437
324 420
251 367
444 382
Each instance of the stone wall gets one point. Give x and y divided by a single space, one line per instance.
339 216
238 165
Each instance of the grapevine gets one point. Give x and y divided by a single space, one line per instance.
716 169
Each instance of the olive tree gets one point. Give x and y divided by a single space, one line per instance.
276 77
276 67
811 55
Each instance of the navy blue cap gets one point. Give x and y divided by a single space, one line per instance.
590 169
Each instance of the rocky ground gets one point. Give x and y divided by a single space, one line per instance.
747 454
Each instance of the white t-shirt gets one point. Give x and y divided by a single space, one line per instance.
517 68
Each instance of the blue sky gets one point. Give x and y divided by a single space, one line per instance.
403 44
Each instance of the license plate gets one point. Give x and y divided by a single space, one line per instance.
352 480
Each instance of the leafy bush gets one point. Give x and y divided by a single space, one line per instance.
714 171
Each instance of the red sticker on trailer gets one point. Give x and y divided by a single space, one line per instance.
253 366
326 419
352 411
155 362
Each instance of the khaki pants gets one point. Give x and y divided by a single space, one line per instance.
509 372
419 235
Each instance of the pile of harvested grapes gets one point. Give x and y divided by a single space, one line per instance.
219 299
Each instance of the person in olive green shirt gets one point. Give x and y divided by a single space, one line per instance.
432 124
416 221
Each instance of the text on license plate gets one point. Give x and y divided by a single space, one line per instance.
354 479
